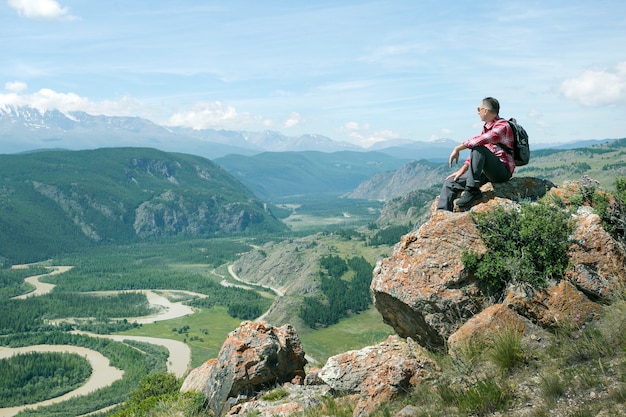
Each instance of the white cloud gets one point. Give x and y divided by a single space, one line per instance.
293 120
15 86
597 87
43 99
354 126
202 115
363 136
445 134
210 115
47 99
41 9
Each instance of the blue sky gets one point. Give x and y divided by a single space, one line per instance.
357 71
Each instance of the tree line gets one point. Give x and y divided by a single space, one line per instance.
241 304
32 314
345 290
33 377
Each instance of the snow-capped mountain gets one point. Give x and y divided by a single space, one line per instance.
25 128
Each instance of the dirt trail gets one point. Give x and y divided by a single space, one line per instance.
232 273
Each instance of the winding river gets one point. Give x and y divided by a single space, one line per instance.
103 374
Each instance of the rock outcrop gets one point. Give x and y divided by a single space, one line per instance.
255 356
597 259
378 373
250 364
424 292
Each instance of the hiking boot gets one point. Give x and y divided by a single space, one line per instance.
468 197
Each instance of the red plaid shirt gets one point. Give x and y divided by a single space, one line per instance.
496 131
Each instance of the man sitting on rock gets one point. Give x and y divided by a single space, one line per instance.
487 161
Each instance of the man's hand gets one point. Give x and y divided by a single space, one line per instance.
459 172
454 156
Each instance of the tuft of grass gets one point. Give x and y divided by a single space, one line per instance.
484 397
275 395
329 406
540 412
583 411
506 350
578 341
618 394
467 355
552 387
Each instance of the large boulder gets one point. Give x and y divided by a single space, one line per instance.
378 373
560 304
516 189
294 399
486 324
197 379
519 189
255 356
422 290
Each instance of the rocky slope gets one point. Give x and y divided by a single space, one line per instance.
291 267
435 305
414 175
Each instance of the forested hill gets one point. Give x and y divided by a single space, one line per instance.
54 201
273 175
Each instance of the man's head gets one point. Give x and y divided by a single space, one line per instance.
489 109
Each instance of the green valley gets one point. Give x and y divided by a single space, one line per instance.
142 233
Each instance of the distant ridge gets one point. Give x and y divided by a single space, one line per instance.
25 128
56 201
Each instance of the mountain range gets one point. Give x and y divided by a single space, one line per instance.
25 128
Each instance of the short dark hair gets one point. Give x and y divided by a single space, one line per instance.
492 105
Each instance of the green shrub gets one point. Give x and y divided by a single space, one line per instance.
529 245
615 215
154 389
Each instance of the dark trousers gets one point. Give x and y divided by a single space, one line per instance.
484 167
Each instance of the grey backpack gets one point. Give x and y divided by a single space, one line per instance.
521 150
